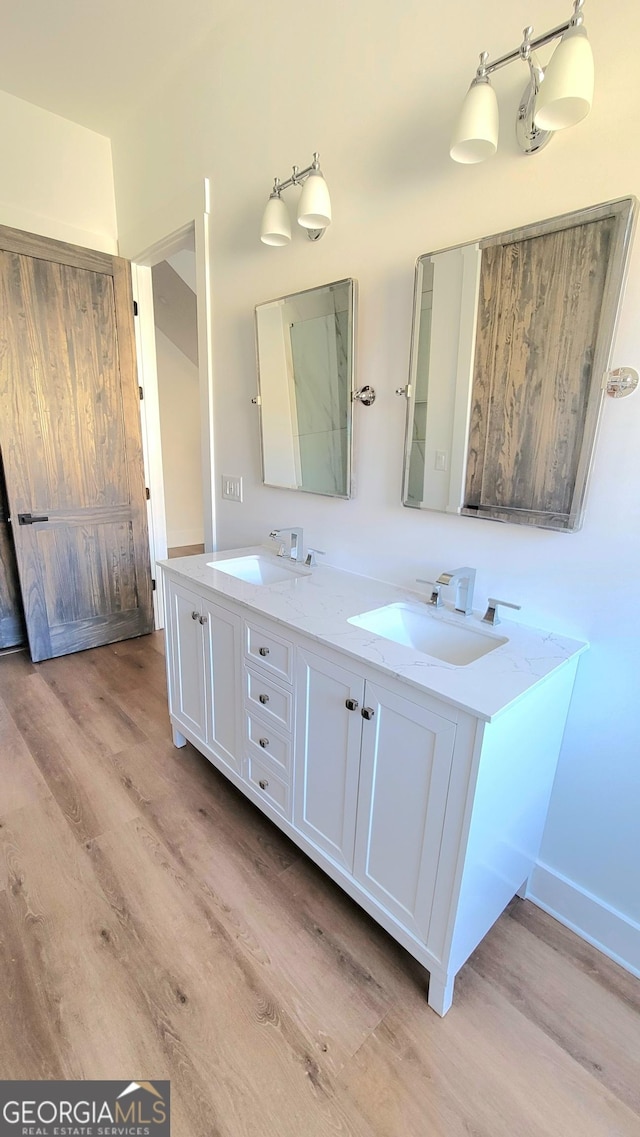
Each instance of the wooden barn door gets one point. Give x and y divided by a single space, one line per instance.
71 443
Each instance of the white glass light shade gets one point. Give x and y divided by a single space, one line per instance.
314 206
475 135
566 92
276 226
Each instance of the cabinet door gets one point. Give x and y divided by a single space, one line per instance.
222 639
407 753
327 755
187 692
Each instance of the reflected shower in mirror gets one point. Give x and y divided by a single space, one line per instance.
305 388
512 336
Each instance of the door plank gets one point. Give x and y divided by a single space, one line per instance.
47 249
71 439
12 631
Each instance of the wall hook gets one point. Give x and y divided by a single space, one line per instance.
623 381
366 396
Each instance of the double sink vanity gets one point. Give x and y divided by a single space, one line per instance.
407 748
405 742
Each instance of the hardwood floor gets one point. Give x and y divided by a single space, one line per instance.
153 924
185 551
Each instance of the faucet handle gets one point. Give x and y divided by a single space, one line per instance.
275 536
436 592
310 559
491 615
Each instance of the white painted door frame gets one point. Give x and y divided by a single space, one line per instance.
151 243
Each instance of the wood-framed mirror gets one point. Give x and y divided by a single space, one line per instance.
511 341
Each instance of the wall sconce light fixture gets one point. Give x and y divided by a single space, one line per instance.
314 206
556 97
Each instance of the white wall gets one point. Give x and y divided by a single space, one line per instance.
56 177
375 89
179 395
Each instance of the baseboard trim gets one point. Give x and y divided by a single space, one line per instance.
592 919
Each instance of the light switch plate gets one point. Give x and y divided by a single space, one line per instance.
231 488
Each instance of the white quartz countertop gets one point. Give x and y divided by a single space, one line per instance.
319 601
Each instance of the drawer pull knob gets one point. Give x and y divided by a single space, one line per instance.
195 615
367 712
352 704
263 783
263 651
264 699
264 742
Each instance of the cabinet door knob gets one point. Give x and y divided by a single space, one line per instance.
263 783
195 615
203 619
351 704
263 699
263 651
367 712
264 742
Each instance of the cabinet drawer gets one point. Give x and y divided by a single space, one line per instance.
265 783
274 704
264 740
270 651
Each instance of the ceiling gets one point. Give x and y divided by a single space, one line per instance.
89 61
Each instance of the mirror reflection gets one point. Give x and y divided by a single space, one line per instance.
512 336
305 384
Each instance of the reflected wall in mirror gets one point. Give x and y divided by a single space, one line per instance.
305 386
512 338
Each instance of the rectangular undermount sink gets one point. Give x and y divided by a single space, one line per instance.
415 627
255 569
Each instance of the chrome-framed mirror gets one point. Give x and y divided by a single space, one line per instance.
511 340
305 388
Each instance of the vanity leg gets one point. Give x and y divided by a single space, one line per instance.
178 739
440 995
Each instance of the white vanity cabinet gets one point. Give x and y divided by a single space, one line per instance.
327 758
186 661
405 767
267 669
428 814
371 778
203 642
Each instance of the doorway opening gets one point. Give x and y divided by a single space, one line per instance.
171 286
175 311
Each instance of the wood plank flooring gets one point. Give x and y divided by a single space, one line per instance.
185 551
153 924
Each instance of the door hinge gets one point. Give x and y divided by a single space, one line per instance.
147 493
153 584
141 392
135 307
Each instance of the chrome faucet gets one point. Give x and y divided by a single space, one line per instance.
464 580
296 545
